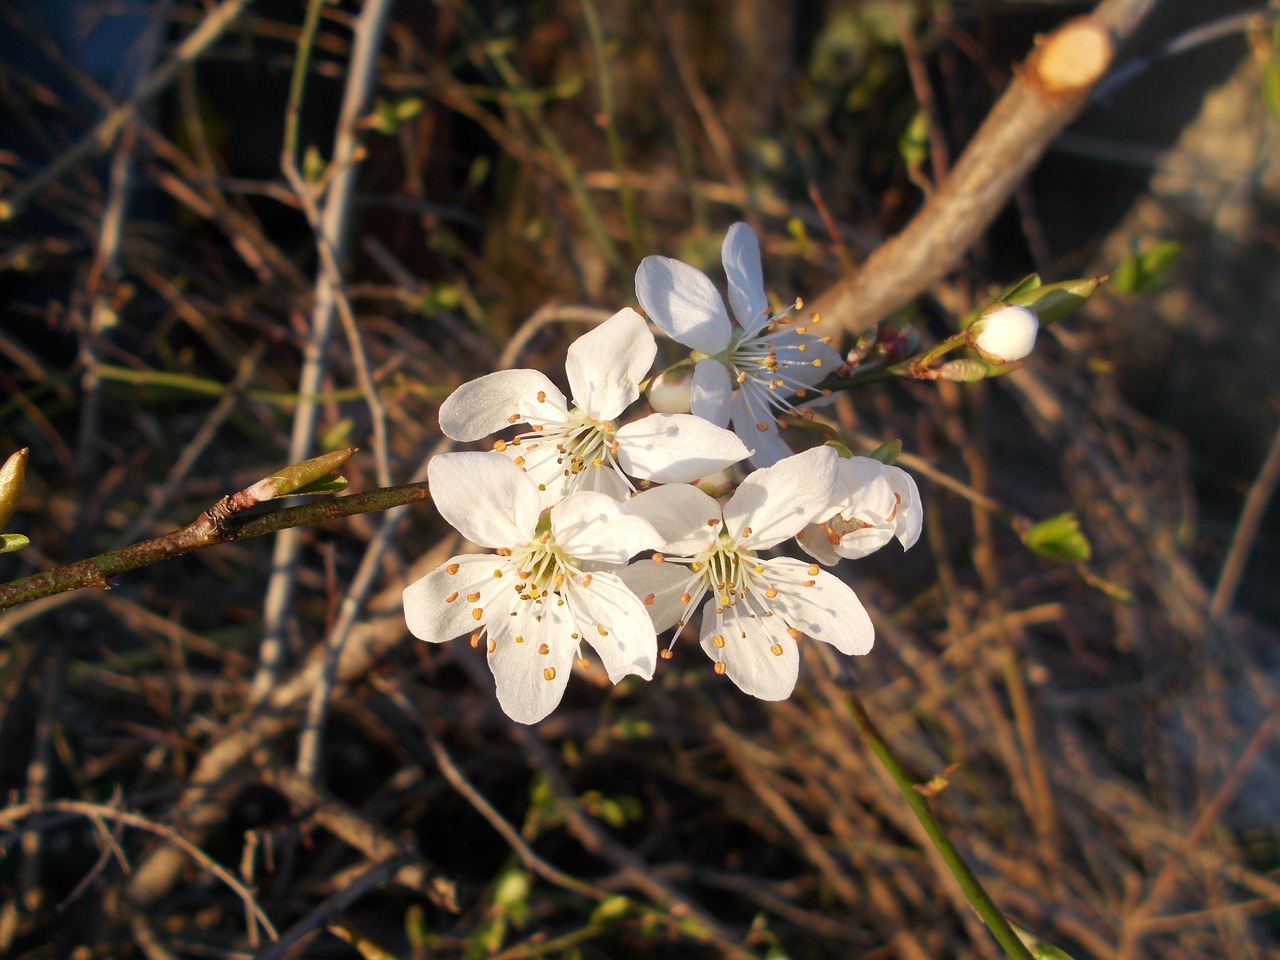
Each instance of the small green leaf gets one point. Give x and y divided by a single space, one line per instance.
964 371
12 475
1028 283
887 452
1054 301
1146 272
913 145
308 477
9 542
332 483
313 165
614 908
1040 949
1059 538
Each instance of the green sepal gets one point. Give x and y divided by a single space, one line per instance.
1271 87
1054 301
887 452
9 542
1059 538
310 477
12 475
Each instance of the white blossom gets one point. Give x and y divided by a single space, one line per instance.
748 375
542 592
1007 333
757 607
871 504
579 446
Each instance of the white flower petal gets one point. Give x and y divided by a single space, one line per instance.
494 402
820 605
530 682
660 588
776 502
910 517
606 365
595 528
684 303
760 657
767 445
615 622
676 448
740 255
686 519
712 391
862 542
814 541
428 609
485 496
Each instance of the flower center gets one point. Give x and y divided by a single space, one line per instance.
577 444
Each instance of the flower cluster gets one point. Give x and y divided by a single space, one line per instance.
599 529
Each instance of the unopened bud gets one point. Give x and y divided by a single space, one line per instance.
1006 334
671 391
11 476
963 371
717 485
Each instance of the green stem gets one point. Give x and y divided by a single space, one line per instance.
212 527
298 82
973 889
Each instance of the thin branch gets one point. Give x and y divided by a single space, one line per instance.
973 889
209 529
1010 141
104 132
1246 532
16 813
332 226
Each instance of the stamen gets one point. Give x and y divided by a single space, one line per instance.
776 649
451 597
543 649
720 669
452 568
477 614
549 673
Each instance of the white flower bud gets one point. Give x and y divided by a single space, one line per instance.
671 391
1007 333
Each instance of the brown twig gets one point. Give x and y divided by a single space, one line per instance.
1014 135
216 525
